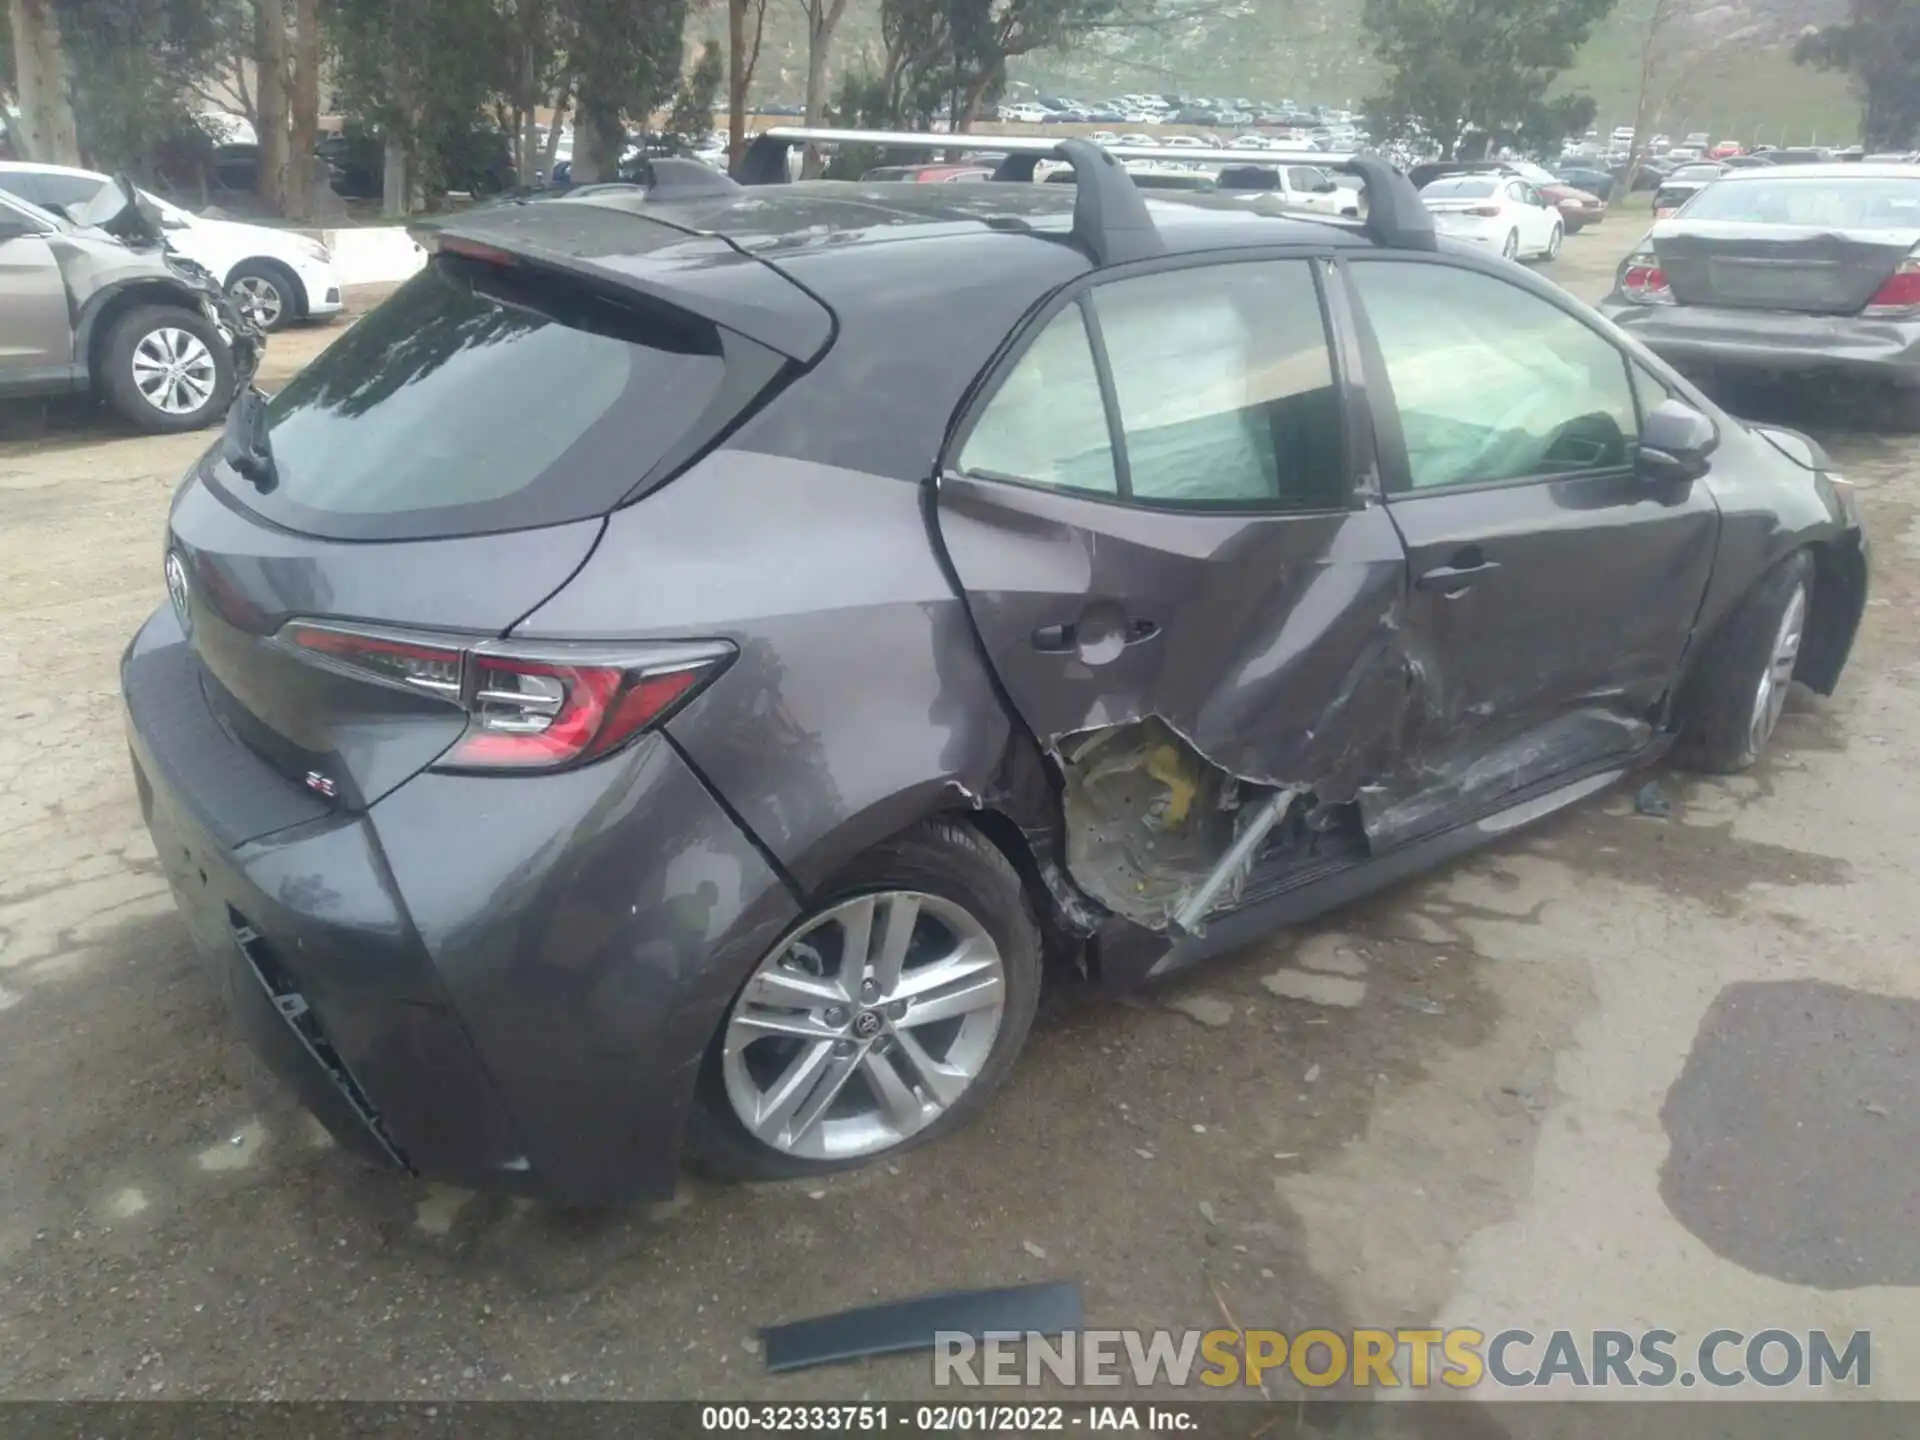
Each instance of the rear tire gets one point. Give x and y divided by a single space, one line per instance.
1734 696
165 369
954 866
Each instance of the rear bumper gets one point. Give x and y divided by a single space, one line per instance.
1707 337
507 983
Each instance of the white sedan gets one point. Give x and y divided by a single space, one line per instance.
1499 212
275 276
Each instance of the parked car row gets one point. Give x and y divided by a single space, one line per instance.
276 277
99 301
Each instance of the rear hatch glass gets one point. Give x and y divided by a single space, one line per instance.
479 398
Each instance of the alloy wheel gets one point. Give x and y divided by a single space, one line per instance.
865 1026
1770 696
174 371
259 299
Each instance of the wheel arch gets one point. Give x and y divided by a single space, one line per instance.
97 321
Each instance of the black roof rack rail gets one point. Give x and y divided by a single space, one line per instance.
1394 217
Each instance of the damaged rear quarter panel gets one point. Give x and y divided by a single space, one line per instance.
858 703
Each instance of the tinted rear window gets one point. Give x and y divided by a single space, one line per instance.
1462 187
1829 202
477 400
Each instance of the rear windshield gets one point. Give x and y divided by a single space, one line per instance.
1463 187
475 400
1830 202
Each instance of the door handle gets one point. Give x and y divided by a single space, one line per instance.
1455 579
1064 638
1053 639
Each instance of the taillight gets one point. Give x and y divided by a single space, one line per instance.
1644 282
1900 296
1485 212
529 706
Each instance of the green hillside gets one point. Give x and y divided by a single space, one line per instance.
1741 81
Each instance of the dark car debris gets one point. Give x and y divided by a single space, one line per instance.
900 1326
825 607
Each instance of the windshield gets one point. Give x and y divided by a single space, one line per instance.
1462 187
1828 202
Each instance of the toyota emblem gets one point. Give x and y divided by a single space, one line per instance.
178 590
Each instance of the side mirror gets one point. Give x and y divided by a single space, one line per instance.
1676 443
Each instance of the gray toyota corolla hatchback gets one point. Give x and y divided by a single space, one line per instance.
671 677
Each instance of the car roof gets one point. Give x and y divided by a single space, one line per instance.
1837 170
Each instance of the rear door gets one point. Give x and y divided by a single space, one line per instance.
1155 509
1819 245
1554 590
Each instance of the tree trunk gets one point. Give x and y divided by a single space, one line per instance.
970 106
739 76
46 131
396 191
596 150
271 185
304 131
553 130
823 18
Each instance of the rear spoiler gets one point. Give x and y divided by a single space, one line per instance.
1109 216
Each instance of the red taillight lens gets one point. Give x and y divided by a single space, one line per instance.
531 707
1901 294
1644 282
432 668
1485 212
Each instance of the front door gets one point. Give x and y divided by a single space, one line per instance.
1554 589
1154 518
36 332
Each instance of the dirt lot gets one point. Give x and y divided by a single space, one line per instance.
1619 1071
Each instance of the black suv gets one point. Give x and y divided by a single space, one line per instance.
672 674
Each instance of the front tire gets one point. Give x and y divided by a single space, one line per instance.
1511 250
1734 697
1554 242
165 369
266 293
886 1018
